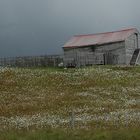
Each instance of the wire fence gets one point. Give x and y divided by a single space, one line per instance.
32 61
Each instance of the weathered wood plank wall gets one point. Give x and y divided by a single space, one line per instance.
131 45
105 54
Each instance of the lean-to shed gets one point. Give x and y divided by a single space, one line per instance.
112 48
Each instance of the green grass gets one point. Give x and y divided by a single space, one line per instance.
72 135
101 98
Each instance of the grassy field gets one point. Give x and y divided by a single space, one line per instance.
103 98
72 135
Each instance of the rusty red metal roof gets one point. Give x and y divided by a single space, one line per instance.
99 39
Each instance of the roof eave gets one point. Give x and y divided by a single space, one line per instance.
99 44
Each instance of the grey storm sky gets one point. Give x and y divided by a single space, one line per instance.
38 27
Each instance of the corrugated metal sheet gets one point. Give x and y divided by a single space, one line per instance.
100 38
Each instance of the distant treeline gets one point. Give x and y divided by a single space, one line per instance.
32 61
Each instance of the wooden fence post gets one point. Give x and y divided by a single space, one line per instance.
72 120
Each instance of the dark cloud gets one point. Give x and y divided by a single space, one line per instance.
34 27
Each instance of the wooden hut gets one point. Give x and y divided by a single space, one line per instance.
110 48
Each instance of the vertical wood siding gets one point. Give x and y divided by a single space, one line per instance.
131 45
105 54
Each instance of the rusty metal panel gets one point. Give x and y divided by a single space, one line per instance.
99 39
